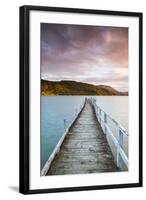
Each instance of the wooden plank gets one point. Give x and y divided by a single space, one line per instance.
85 148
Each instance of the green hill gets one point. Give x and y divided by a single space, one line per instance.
77 88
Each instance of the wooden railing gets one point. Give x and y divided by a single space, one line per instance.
103 119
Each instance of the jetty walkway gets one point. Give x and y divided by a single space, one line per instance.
84 147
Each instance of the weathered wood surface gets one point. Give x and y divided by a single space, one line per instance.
85 148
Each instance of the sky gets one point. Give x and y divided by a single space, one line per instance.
91 54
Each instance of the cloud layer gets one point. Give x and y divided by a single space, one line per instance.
92 54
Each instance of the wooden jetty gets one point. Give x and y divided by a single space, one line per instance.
84 147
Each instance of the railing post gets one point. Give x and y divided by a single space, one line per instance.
96 109
120 137
100 116
120 144
64 124
105 123
97 113
118 157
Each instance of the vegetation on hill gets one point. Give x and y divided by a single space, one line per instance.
77 88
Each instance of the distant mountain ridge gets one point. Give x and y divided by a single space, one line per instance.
66 87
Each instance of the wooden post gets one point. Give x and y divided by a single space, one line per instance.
96 109
64 124
118 157
100 116
97 113
120 144
105 123
121 138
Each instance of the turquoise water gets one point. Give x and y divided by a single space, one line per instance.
115 106
56 109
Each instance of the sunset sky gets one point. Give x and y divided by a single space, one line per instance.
89 54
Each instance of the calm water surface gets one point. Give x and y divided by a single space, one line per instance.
56 109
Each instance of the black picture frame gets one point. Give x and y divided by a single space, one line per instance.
24 98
